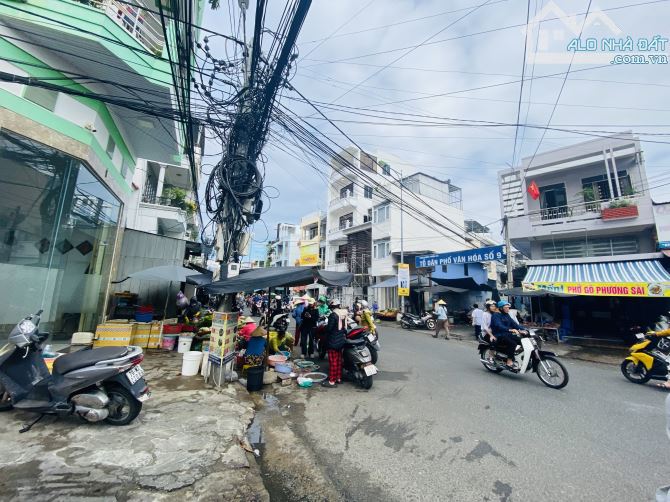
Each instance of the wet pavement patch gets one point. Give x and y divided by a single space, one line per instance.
395 434
483 449
503 490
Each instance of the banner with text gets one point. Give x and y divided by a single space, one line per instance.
632 289
403 279
478 255
222 339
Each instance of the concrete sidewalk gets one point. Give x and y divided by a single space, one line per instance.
602 354
185 445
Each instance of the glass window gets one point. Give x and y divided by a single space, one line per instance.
347 191
57 234
367 192
382 249
382 213
386 168
346 221
43 97
444 269
596 188
111 146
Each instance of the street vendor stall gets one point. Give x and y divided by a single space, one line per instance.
276 277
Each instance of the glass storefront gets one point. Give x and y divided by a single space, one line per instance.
58 226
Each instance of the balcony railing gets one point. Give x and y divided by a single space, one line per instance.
584 210
162 201
144 25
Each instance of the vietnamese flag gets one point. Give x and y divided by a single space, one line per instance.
533 190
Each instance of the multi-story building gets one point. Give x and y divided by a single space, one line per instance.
577 213
73 168
583 215
363 222
312 241
416 236
284 251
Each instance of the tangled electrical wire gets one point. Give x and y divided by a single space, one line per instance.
237 96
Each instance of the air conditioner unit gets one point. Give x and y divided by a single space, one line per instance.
233 270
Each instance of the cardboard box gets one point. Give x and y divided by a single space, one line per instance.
113 335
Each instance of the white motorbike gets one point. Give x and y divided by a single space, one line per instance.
528 357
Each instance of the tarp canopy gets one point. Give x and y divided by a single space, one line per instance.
170 273
434 289
276 277
543 293
463 283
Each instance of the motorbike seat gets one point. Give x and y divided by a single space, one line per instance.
355 341
81 359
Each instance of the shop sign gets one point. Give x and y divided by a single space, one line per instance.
309 254
479 255
403 279
222 339
630 289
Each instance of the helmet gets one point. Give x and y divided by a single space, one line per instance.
334 302
502 303
441 302
364 304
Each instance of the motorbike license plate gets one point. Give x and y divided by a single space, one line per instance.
134 374
370 369
371 337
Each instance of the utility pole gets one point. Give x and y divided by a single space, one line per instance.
508 250
402 238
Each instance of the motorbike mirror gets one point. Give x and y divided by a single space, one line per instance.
639 336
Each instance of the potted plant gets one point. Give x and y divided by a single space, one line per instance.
620 208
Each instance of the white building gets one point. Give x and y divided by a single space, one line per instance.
363 224
284 250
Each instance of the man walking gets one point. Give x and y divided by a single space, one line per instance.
477 318
442 319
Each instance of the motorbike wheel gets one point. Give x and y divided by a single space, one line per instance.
373 354
5 399
404 325
635 373
430 324
366 382
123 407
556 377
491 367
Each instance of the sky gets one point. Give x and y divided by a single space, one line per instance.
397 55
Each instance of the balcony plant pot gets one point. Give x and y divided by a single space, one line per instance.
617 213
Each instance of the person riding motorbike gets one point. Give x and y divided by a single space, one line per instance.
505 331
490 308
366 317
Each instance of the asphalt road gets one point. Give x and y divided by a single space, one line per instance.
437 426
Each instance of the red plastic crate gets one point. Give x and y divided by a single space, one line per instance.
171 329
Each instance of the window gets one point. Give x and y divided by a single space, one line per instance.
465 269
597 188
607 246
382 249
368 217
124 168
382 213
367 192
347 191
43 97
111 146
386 168
553 201
444 269
346 221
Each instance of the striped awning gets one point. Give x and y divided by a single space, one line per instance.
646 271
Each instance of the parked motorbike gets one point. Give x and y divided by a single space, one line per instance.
648 358
98 384
413 321
357 364
528 358
354 332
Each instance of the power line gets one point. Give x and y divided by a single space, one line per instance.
523 74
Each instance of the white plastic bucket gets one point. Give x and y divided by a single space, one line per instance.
191 363
204 369
184 343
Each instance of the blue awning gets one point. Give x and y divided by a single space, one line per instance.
615 272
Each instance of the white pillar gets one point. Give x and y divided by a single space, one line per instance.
161 180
